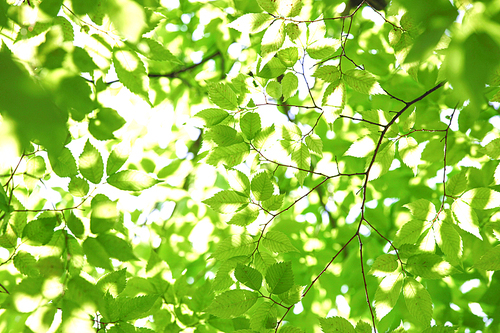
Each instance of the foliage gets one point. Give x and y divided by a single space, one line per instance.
249 166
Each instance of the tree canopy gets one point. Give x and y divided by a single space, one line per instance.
250 166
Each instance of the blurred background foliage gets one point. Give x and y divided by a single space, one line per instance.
104 165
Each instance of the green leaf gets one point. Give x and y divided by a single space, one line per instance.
78 187
244 217
113 283
63 164
409 233
117 158
457 184
224 97
362 81
226 201
222 279
277 242
418 301
131 71
158 52
66 27
249 276
96 254
272 69
264 317
422 209
132 180
275 202
273 38
279 277
26 264
82 60
105 123
384 264
466 217
363 327
410 152
120 12
250 125
302 159
383 161
429 266
289 85
334 100
482 198
75 225
450 242
293 31
292 296
51 7
35 169
40 231
269 6
104 214
493 149
290 329
387 294
252 23
116 247
440 329
224 135
315 144
289 56
490 261
327 73
230 155
264 136
324 48
234 246
239 181
232 303
212 116
274 89
336 324
135 307
91 164
262 187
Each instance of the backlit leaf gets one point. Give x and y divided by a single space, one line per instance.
277 242
252 23
132 180
336 324
226 201
234 246
490 261
422 209
249 276
223 96
482 198
90 163
232 303
418 301
279 277
387 294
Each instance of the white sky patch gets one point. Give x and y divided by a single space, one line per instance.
369 14
298 308
343 306
469 285
353 213
364 230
